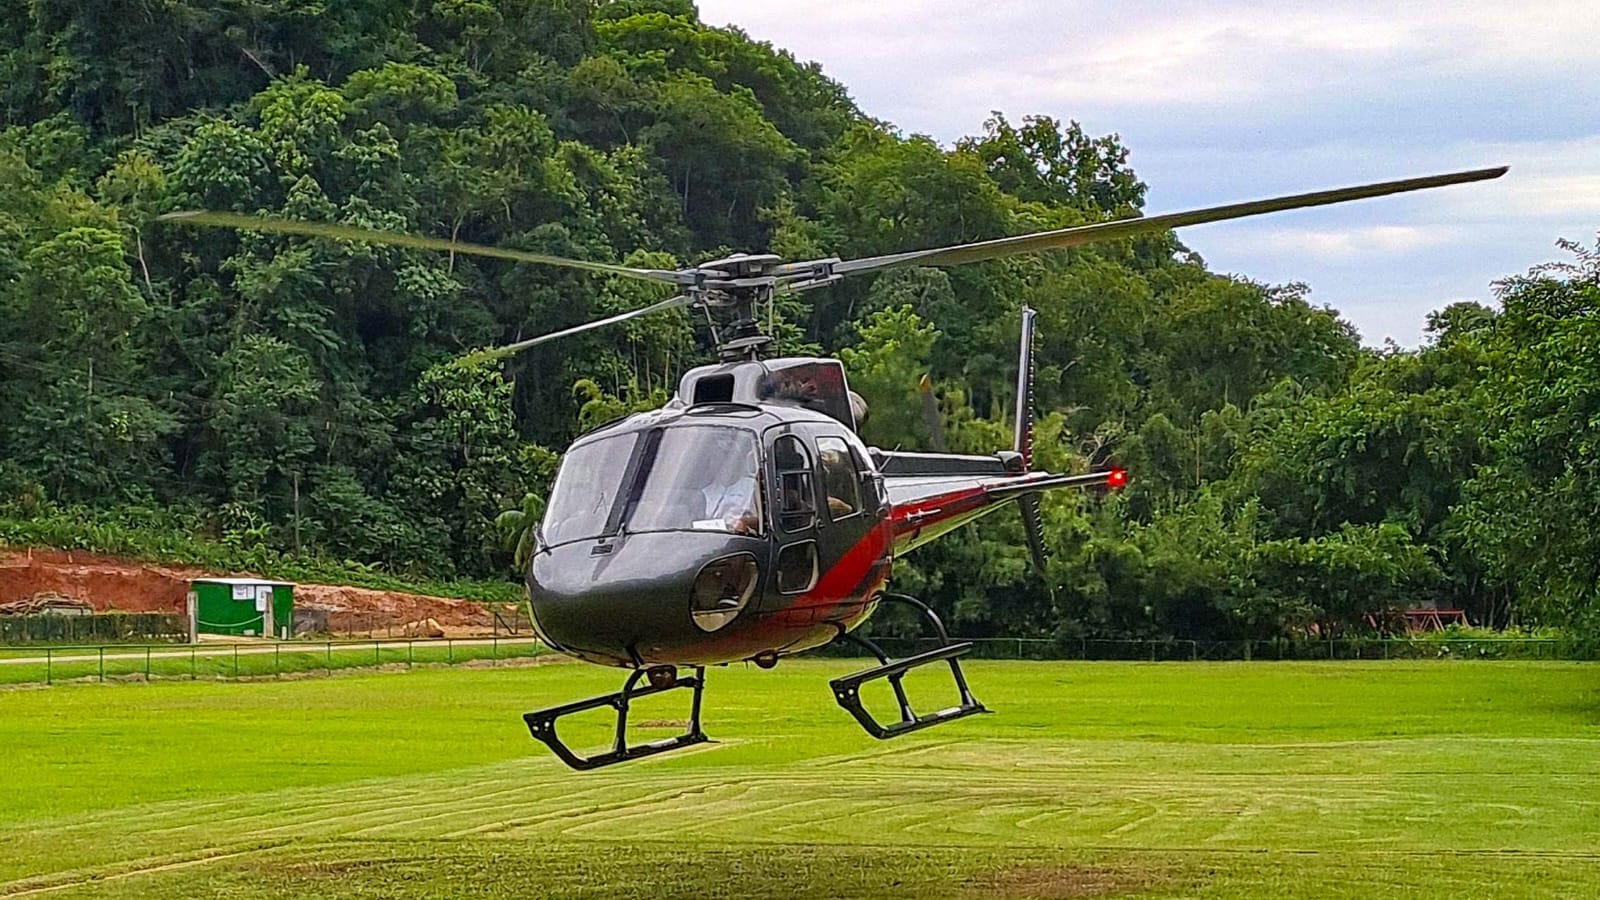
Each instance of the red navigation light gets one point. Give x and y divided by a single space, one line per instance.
1117 478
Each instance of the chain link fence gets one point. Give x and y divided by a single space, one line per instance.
1195 651
121 662
314 623
55 628
125 662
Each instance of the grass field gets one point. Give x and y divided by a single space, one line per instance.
1437 779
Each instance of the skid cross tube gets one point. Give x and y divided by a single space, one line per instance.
847 690
542 724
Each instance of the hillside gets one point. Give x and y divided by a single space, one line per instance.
110 584
291 398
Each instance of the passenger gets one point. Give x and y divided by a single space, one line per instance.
834 462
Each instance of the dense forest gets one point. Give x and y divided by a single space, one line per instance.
293 399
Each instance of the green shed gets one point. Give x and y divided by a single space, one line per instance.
250 607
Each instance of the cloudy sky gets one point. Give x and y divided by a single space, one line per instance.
1224 101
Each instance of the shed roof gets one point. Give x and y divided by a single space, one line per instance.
252 581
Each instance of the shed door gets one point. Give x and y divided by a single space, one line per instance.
264 606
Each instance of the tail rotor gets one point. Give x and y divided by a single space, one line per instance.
1032 517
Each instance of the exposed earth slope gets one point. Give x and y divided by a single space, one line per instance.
114 584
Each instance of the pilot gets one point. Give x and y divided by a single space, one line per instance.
731 496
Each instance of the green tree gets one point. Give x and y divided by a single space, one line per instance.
1528 512
260 437
1043 162
518 527
885 368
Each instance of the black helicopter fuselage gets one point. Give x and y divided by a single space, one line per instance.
637 565
657 589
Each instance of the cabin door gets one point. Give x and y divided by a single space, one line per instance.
792 487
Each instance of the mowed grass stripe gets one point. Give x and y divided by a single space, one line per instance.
476 801
1327 767
660 869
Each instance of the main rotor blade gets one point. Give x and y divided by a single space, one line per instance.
1123 228
518 347
338 232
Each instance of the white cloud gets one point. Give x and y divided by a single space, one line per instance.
941 55
1235 99
1208 58
1334 244
1550 182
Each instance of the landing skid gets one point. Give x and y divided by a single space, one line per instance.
542 724
847 690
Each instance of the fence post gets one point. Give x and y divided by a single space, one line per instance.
376 659
147 665
410 645
193 669
329 658
277 660
102 665
47 674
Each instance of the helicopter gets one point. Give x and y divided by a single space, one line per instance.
746 520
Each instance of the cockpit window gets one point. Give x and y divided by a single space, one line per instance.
586 489
697 478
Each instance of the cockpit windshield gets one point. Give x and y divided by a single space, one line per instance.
586 489
700 477
697 478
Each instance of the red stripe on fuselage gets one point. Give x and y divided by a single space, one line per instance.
928 518
932 510
845 576
842 591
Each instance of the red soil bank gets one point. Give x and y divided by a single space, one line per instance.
113 584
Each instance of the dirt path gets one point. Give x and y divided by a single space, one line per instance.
107 583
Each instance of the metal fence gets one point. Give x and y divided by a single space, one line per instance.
516 622
1194 651
99 627
124 662
310 622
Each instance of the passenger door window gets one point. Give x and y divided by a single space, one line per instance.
797 567
841 483
796 495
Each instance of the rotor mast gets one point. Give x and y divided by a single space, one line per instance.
742 283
